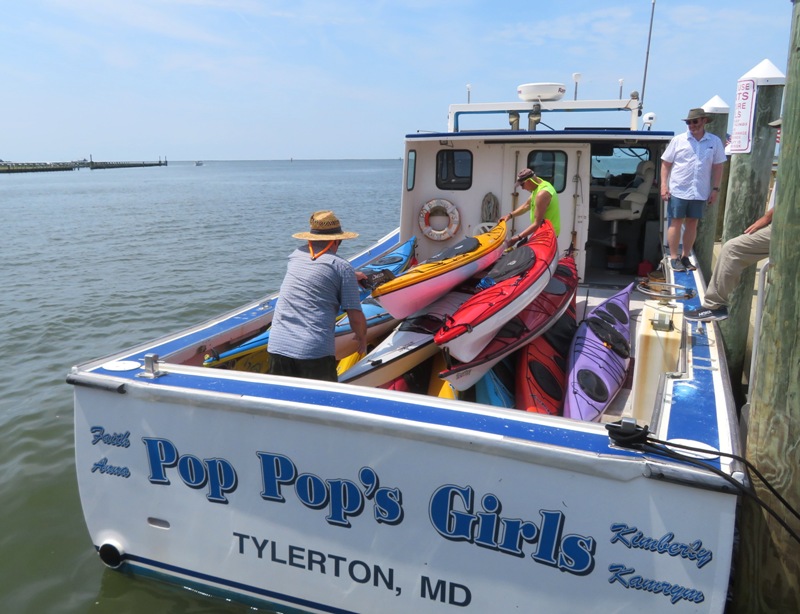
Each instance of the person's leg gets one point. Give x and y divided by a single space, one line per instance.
676 213
674 237
689 235
734 257
282 365
319 368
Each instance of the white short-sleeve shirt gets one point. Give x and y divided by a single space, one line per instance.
692 161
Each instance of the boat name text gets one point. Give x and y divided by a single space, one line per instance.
453 510
102 466
631 537
121 440
452 515
675 592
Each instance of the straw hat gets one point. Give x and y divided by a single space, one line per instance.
777 123
698 114
325 226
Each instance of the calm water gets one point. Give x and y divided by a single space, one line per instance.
92 262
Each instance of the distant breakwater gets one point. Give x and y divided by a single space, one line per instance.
43 167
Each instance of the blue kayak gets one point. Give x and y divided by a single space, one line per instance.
497 385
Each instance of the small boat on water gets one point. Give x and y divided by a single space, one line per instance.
310 496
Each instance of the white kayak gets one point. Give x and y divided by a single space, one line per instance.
409 344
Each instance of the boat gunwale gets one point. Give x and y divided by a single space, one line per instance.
249 314
540 439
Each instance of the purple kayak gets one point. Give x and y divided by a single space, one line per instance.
599 358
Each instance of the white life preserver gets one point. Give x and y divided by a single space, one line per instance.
439 205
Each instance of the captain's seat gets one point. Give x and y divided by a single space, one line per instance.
632 198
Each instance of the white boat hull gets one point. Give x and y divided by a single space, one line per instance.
290 497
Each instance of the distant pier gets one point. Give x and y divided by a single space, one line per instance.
98 165
37 167
44 167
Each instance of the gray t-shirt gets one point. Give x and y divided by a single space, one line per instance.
312 295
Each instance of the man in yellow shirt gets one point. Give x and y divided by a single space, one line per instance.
542 204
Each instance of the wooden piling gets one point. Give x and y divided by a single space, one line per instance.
747 191
707 229
767 573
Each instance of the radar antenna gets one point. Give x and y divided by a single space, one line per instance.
647 55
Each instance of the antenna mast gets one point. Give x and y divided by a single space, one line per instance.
647 55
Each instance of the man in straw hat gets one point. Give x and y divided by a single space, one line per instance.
691 169
542 204
317 286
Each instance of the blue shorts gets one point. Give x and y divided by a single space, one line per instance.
679 208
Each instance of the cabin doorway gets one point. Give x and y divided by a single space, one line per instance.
567 167
624 233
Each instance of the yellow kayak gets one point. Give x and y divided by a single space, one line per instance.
438 387
424 283
348 361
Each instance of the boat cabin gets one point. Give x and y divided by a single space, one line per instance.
458 183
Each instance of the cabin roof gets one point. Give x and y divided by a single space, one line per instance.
570 134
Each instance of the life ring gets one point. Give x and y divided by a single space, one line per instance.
437 206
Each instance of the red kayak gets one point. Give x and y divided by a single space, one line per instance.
541 368
531 322
514 281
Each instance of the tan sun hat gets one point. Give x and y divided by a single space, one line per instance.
777 123
698 114
325 226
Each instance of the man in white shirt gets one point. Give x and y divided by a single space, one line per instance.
691 169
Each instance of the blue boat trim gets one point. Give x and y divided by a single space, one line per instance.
694 403
148 565
420 413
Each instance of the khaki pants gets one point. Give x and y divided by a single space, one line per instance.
734 257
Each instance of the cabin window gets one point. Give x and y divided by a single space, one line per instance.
454 169
616 165
411 170
550 166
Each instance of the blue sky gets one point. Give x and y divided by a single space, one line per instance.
273 79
